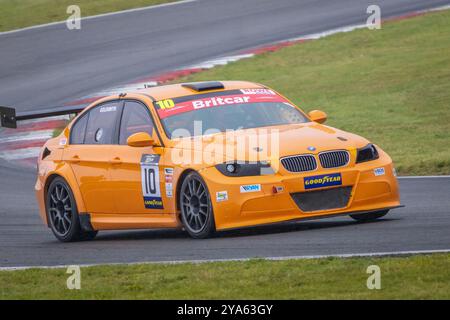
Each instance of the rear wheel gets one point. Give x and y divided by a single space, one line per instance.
371 216
62 213
196 208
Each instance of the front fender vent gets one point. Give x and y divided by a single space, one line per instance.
45 153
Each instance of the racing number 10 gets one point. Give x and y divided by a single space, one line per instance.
150 180
151 189
165 104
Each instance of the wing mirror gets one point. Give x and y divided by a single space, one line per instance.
317 116
140 139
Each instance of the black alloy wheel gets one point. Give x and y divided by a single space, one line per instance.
62 213
196 208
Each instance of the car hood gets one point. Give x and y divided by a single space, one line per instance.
270 143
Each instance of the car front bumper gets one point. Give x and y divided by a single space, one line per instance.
276 198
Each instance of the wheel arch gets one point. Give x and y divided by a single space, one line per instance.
209 225
68 176
180 180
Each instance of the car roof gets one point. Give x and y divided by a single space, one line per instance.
183 89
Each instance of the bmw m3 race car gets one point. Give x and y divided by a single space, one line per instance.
206 156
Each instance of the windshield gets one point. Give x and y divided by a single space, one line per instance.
223 112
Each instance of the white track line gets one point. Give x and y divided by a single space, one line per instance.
424 177
208 64
46 119
349 28
202 65
218 61
327 33
446 7
349 255
157 6
19 154
28 136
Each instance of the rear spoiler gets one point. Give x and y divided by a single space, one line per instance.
9 118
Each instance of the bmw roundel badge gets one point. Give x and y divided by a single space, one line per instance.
311 148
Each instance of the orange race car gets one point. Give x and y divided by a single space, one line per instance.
206 156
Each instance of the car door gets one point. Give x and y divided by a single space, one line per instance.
137 172
89 155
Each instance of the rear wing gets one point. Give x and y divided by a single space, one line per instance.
9 118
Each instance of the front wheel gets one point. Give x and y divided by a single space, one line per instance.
62 213
196 208
371 216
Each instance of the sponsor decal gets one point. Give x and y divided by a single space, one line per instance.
221 196
151 189
379 172
150 159
166 109
279 189
219 101
169 190
62 141
168 174
326 180
153 203
108 109
258 91
250 188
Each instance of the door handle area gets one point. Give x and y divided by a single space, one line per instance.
115 160
74 159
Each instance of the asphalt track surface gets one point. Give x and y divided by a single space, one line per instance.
43 67
47 66
424 224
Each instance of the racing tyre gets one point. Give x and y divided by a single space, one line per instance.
62 213
196 209
371 216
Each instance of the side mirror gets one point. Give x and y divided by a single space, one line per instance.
317 116
140 139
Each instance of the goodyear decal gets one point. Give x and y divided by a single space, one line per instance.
326 180
153 203
151 189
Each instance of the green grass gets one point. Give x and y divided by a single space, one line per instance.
15 14
415 277
390 85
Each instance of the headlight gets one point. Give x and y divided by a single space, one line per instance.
243 169
367 153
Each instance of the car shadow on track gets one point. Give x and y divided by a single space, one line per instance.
277 228
293 226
